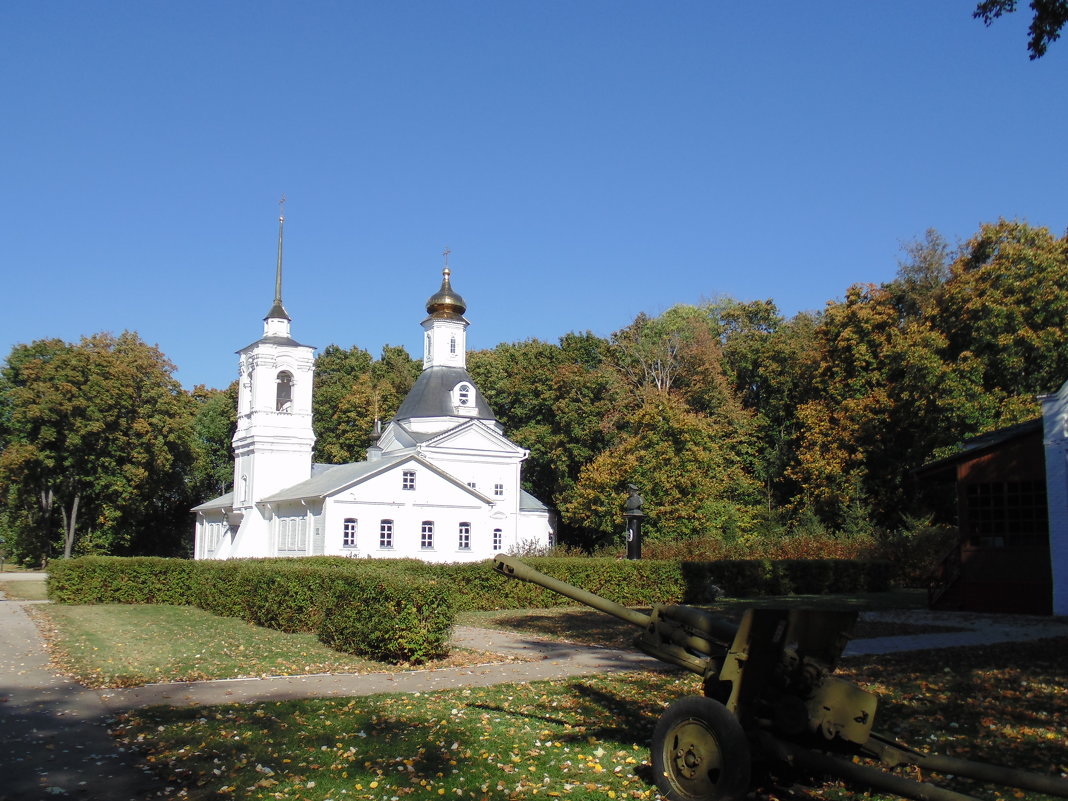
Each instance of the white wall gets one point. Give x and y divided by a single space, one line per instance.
1055 439
434 499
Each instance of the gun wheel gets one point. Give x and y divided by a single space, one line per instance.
700 752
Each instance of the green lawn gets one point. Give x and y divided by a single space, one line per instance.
25 589
116 645
582 738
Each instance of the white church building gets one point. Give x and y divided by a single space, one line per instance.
441 484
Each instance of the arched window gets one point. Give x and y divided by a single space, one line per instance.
464 394
284 392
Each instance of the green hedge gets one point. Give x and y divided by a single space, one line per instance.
401 610
646 582
383 614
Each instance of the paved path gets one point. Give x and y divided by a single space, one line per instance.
975 629
54 742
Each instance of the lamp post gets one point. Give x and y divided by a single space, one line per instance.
632 513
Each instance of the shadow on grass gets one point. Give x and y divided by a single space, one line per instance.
1002 704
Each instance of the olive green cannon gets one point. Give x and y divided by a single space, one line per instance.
769 689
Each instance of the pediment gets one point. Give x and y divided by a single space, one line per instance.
474 437
432 480
395 437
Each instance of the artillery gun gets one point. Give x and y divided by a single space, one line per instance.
768 687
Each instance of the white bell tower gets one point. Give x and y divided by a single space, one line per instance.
274 438
445 337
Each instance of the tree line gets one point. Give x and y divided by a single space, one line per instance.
735 421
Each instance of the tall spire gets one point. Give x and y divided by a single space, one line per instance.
278 311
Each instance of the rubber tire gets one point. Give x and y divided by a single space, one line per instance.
706 724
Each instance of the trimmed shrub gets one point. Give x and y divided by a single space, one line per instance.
380 612
391 620
119 580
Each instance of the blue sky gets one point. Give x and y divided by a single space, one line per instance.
584 160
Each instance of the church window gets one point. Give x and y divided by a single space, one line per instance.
498 539
452 346
348 533
385 534
292 534
498 490
408 480
284 392
426 541
465 394
214 534
465 537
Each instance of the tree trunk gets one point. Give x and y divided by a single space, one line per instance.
69 526
47 498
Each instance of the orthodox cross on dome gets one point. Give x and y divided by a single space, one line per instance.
446 253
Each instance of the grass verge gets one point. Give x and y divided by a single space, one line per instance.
118 645
582 738
25 589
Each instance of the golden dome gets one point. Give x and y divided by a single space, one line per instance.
445 302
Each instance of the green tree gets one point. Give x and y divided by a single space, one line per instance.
887 398
921 276
683 463
214 421
335 416
352 391
656 352
517 380
562 402
396 372
1049 16
771 363
1006 305
589 410
98 439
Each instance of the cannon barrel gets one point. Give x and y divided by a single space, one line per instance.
702 623
690 638
513 568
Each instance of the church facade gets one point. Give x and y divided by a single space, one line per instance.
441 484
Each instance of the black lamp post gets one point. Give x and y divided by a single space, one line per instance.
632 513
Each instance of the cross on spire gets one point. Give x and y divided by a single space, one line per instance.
446 253
278 270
